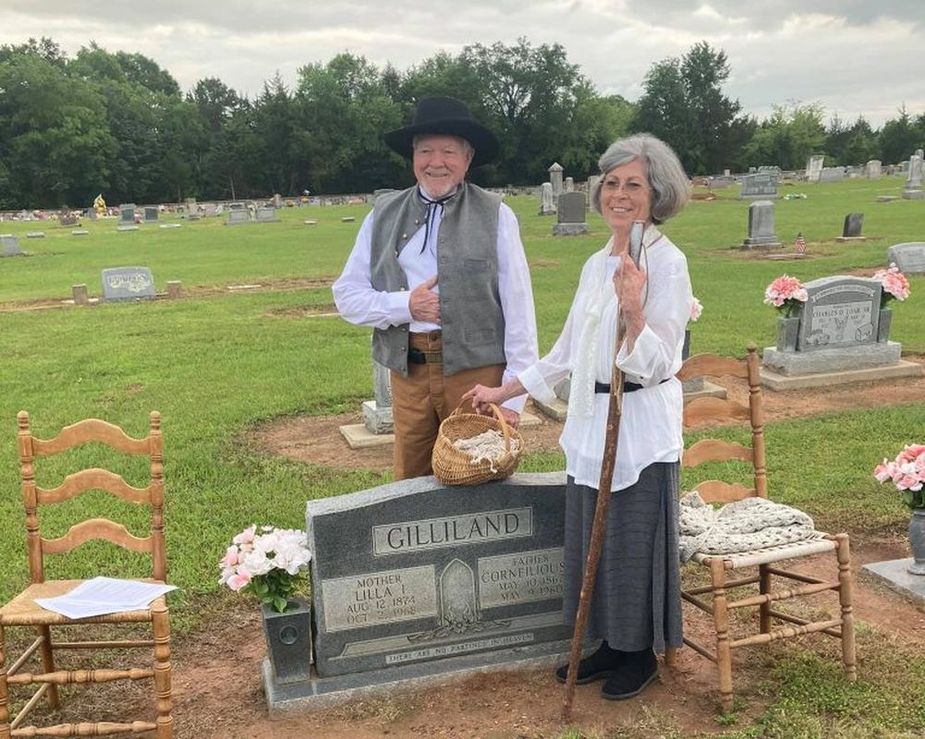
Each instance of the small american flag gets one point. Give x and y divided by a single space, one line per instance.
800 244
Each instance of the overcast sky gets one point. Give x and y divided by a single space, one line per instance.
854 57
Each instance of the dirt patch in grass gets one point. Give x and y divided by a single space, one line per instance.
317 439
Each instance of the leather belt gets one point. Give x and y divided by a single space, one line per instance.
416 356
628 387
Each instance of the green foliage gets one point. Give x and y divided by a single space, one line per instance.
788 137
683 105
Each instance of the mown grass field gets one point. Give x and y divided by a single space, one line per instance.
219 361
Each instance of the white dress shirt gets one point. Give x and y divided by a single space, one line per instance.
360 304
650 426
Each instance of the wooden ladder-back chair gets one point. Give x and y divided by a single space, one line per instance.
23 610
762 564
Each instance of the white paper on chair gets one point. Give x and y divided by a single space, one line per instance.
103 595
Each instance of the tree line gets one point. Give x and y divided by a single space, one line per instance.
119 124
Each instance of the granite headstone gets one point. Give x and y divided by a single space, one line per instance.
572 212
127 283
429 573
761 226
555 179
909 257
547 204
762 185
10 244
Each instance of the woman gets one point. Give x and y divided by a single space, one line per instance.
636 606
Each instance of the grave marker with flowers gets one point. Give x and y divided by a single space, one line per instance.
834 329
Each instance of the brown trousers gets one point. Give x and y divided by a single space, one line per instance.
423 399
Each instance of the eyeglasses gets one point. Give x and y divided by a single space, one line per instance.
632 187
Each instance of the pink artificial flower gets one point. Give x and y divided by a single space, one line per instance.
231 557
784 292
246 536
895 284
239 580
696 309
884 472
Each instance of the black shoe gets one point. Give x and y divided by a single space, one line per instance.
603 663
636 672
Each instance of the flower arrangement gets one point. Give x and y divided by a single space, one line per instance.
907 473
785 293
895 285
267 562
696 309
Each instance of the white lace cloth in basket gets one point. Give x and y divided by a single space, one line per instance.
742 526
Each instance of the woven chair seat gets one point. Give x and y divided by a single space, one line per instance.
24 611
821 543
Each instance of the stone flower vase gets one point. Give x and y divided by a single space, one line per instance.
788 331
289 640
917 541
883 327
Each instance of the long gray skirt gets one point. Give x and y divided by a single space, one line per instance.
637 594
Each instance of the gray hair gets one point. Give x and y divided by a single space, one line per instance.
669 183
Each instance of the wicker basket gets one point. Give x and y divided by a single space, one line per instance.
454 466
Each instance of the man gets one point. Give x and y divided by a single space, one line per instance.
439 272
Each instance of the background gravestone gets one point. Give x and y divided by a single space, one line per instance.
572 215
874 169
127 214
67 219
761 185
9 246
377 413
909 257
832 174
761 226
547 204
127 283
851 230
913 187
151 214
814 168
569 185
555 179
432 580
237 216
266 215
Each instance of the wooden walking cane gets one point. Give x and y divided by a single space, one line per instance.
599 524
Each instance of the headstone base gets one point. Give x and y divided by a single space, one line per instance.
702 389
377 420
358 436
886 198
35 235
815 361
761 243
569 229
126 228
319 693
776 382
851 238
556 410
913 194
894 574
785 257
546 212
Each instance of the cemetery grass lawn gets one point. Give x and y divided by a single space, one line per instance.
220 362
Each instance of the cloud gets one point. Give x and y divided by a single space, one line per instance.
853 57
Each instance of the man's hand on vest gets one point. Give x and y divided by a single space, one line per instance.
424 303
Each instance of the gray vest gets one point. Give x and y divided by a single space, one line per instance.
467 264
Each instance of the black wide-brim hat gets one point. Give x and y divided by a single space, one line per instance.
448 116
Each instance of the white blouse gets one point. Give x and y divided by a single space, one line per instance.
650 427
